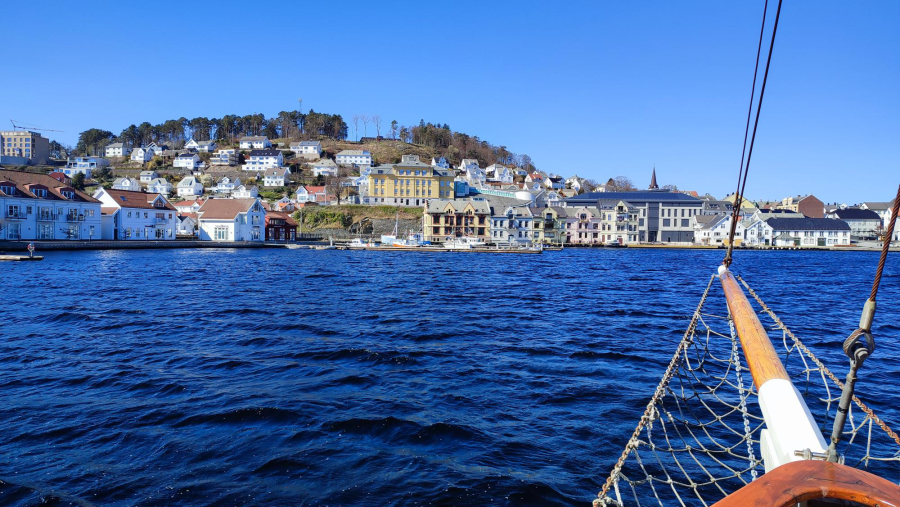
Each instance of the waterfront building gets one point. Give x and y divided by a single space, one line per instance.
324 167
883 209
618 221
276 176
189 186
187 225
188 161
445 219
805 232
583 225
354 158
280 227
83 165
129 184
225 156
307 149
141 155
864 224
25 144
200 146
116 150
255 143
231 220
260 160
409 183
662 216
714 230
512 226
549 225
809 205
128 215
159 186
244 192
38 207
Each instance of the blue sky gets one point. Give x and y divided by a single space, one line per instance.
596 88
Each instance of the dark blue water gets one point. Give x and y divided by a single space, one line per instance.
366 378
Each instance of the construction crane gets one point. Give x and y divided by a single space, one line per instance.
24 127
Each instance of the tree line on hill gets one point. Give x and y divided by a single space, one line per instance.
287 125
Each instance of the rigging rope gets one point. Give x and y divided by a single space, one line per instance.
738 198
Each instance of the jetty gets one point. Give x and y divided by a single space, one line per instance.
21 258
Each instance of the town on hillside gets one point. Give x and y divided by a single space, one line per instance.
252 189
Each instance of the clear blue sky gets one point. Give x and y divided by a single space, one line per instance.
595 88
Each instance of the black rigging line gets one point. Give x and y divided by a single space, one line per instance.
745 169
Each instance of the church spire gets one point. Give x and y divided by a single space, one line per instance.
653 185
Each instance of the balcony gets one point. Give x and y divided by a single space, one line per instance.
161 221
46 217
74 218
16 215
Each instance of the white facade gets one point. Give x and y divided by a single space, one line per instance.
187 161
141 155
353 157
129 184
226 185
190 186
224 157
201 146
155 149
232 220
255 143
499 172
116 150
148 176
440 162
136 216
159 186
46 212
260 160
307 149
83 165
324 167
276 176
242 192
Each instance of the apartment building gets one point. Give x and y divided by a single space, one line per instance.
36 207
409 183
31 146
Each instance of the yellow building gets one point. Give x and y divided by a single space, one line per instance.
409 183
25 144
445 219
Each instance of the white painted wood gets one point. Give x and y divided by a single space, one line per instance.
789 424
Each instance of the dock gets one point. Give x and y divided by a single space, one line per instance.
444 250
21 258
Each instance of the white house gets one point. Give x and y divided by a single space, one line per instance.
276 176
864 223
311 193
260 160
575 183
307 149
36 206
715 229
136 215
148 176
141 155
130 184
116 150
226 185
354 157
440 162
242 192
232 220
499 172
190 186
201 146
156 149
225 156
159 186
554 182
187 161
83 165
798 232
187 224
255 143
188 206
475 176
324 167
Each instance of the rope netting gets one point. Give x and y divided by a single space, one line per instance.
699 437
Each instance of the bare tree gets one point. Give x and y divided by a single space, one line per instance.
622 184
673 188
376 119
365 119
356 126
336 185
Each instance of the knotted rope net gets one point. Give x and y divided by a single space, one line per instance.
698 439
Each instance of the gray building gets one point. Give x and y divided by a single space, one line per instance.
663 216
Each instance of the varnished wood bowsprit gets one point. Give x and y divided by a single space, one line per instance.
802 481
761 357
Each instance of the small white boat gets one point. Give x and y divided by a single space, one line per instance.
358 244
465 243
